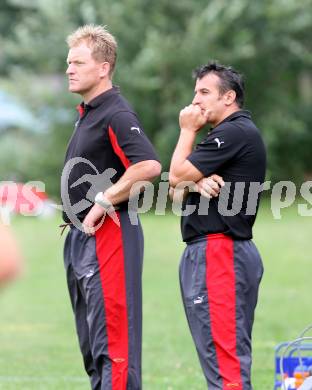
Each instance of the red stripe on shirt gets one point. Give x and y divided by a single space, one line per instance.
220 280
117 149
80 109
110 254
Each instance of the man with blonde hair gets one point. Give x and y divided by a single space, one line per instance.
104 253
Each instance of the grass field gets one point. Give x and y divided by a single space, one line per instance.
38 346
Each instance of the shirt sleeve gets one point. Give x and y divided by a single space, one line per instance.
218 148
129 140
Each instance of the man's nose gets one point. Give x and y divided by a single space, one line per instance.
70 69
195 100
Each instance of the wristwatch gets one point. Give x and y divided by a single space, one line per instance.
102 201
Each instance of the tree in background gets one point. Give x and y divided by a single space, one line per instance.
159 45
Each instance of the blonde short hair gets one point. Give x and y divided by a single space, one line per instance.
102 43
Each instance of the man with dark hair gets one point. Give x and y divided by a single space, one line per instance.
103 253
229 79
221 268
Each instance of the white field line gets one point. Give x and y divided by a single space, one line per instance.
42 379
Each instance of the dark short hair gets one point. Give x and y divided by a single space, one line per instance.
230 79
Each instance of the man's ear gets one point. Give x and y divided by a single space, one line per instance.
229 97
104 69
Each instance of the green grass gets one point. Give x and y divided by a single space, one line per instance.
38 346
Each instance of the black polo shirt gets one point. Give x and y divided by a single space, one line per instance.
234 149
108 138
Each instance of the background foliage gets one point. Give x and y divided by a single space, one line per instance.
160 43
